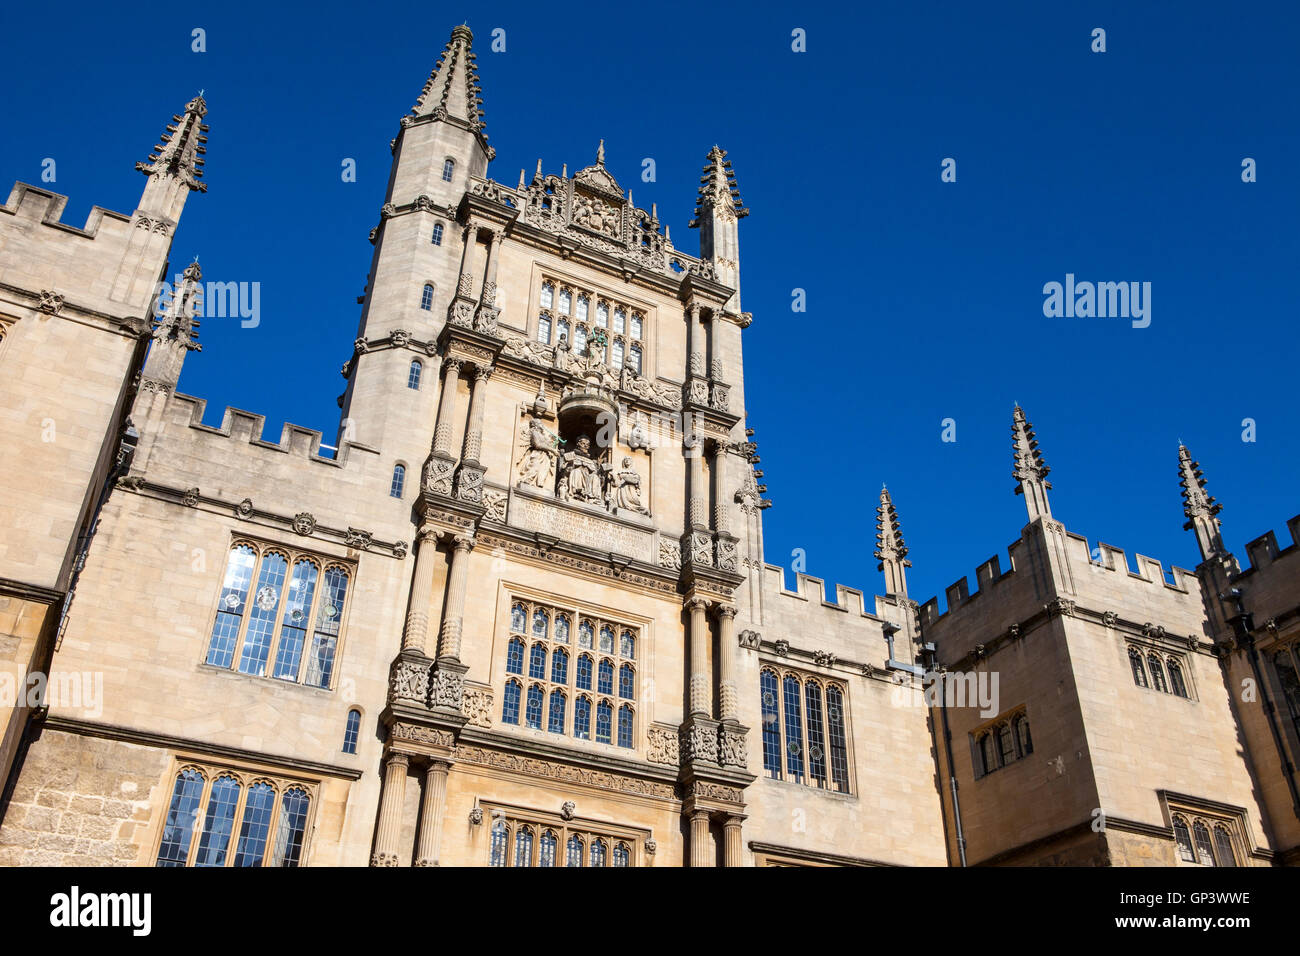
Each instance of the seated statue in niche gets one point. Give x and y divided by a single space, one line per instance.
625 489
538 466
580 474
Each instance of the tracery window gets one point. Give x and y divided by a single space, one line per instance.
296 606
525 838
600 681
223 817
1135 662
623 324
1289 677
1001 742
805 737
1165 670
1208 835
1157 673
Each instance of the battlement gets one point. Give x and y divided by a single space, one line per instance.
1264 550
27 202
989 576
812 590
247 427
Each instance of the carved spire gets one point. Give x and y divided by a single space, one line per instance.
179 155
718 190
452 92
1199 506
891 549
175 331
1030 469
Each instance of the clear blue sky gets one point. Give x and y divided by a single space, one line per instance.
924 298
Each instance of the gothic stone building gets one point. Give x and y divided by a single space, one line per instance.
520 615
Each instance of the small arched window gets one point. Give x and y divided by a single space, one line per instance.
1157 673
1022 734
634 359
515 656
565 302
606 639
562 628
524 847
597 852
1223 852
399 481
548 295
605 677
582 718
1006 745
544 328
1139 672
625 726
560 666
573 851
413 374
626 681
351 731
546 848
448 169
541 624
437 233
1204 851
586 633
584 672
616 354
988 757
555 720
518 619
537 662
1183 837
627 644
1177 685
510 703
533 712
499 837
604 722
426 297
622 854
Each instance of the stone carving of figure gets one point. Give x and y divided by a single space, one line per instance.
563 353
625 489
580 473
538 466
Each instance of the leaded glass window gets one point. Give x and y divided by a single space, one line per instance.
1157 674
604 718
1204 851
533 710
804 732
555 719
426 298
1176 684
351 731
510 703
1183 838
1135 662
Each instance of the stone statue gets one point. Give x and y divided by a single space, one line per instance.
579 474
538 465
625 489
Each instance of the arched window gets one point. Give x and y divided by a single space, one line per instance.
838 739
605 677
636 325
499 836
293 627
537 662
230 608
606 639
518 619
546 848
1176 684
767 689
548 295
598 852
351 731
583 303
793 730
1006 745
586 633
510 703
560 666
533 712
562 330
219 822
1204 851
544 328
634 359
816 733
565 304
620 321
625 726
988 756
626 681
573 851
582 718
616 354
515 656
320 661
627 645
256 828
562 628
437 233
1022 734
555 719
413 374
448 169
1223 852
291 831
399 481
584 672
426 298
622 854
1157 674
579 338
541 624
266 607
182 814
1183 837
1139 672
602 314
604 721
524 846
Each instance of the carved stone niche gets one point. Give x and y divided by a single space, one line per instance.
587 417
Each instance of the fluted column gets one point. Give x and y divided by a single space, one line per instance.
390 811
415 635
700 696
702 850
717 469
727 698
732 848
454 611
473 446
431 813
447 407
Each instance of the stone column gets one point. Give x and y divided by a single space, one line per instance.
732 847
473 446
701 699
702 850
699 503
488 296
417 613
431 813
470 238
390 811
717 469
454 611
694 343
728 708
446 407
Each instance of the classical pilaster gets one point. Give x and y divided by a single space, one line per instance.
469 480
485 317
431 812
703 852
732 847
415 635
718 471
447 407
697 383
454 610
462 305
701 699
728 702
390 811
